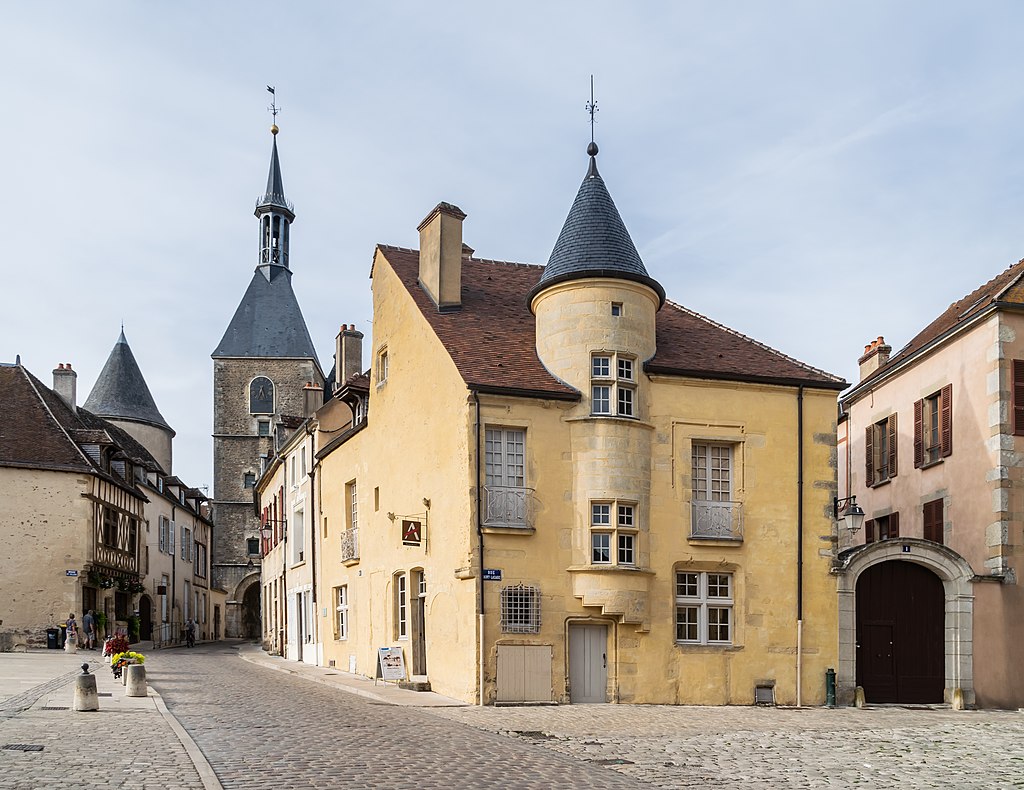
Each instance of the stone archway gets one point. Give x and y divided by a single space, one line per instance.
251 618
956 576
243 612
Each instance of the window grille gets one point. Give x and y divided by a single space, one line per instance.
520 610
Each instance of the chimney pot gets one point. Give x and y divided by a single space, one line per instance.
65 384
441 255
348 354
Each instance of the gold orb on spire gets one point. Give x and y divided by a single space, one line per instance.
273 129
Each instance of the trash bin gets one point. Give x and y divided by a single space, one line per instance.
52 638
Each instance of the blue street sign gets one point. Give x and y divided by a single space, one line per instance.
492 574
70 573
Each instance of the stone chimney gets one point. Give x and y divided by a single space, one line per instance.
348 354
65 384
876 354
441 255
312 399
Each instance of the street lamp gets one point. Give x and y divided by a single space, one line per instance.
853 514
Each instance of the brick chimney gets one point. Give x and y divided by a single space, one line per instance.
65 384
441 255
876 354
348 354
312 399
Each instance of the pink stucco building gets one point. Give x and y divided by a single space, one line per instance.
931 444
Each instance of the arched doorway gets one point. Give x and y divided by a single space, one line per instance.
251 621
900 650
145 617
956 578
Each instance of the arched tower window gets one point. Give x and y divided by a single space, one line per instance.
261 396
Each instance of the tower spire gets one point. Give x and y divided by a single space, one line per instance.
273 209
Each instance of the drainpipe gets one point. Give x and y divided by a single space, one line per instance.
313 533
174 564
799 541
480 536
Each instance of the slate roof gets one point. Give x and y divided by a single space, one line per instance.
594 241
40 431
274 196
268 321
492 337
121 392
1007 288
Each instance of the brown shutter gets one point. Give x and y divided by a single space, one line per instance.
1018 397
869 456
918 434
894 525
933 520
947 419
892 446
869 531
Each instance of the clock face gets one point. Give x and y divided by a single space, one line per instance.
261 396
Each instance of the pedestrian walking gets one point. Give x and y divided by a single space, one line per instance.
89 625
190 633
71 638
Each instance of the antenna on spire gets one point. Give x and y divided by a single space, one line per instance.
274 109
592 108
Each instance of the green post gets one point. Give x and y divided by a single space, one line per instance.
830 687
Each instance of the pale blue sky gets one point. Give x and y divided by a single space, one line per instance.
812 174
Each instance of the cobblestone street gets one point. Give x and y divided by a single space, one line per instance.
264 722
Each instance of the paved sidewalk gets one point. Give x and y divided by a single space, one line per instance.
129 742
378 691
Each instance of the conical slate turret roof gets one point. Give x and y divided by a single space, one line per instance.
268 321
594 241
121 392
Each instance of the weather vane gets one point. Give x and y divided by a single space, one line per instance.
274 109
592 108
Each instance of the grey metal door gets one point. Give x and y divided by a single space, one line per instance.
588 663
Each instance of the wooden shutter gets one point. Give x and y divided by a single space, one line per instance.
892 445
869 531
918 434
933 520
869 456
894 525
1018 397
946 407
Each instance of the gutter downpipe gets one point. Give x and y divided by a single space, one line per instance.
799 541
480 536
174 568
313 536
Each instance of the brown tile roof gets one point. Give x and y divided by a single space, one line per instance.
39 431
492 338
1006 288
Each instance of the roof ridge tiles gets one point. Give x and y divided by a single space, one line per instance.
758 343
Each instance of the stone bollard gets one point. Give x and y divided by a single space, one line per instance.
858 697
135 685
86 697
958 699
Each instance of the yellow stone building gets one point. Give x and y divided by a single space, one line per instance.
556 486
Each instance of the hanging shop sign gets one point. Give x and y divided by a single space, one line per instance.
412 532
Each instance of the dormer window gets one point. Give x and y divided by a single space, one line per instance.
613 385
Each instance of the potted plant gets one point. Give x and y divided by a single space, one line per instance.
133 628
119 661
101 623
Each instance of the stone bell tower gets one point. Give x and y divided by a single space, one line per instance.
260 369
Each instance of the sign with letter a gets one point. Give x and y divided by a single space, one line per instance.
412 533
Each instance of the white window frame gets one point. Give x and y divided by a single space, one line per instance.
382 366
520 609
705 485
352 495
298 538
401 606
164 525
700 602
341 612
614 526
613 384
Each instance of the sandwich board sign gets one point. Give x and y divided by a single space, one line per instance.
390 663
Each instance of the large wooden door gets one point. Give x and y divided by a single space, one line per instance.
588 663
900 646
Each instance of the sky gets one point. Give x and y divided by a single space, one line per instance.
812 174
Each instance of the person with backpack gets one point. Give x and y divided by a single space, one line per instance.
71 638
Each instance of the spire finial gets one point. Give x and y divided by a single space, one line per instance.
592 108
274 109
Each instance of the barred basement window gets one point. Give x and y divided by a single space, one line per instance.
520 610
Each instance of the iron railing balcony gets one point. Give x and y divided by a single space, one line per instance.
508 506
716 520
